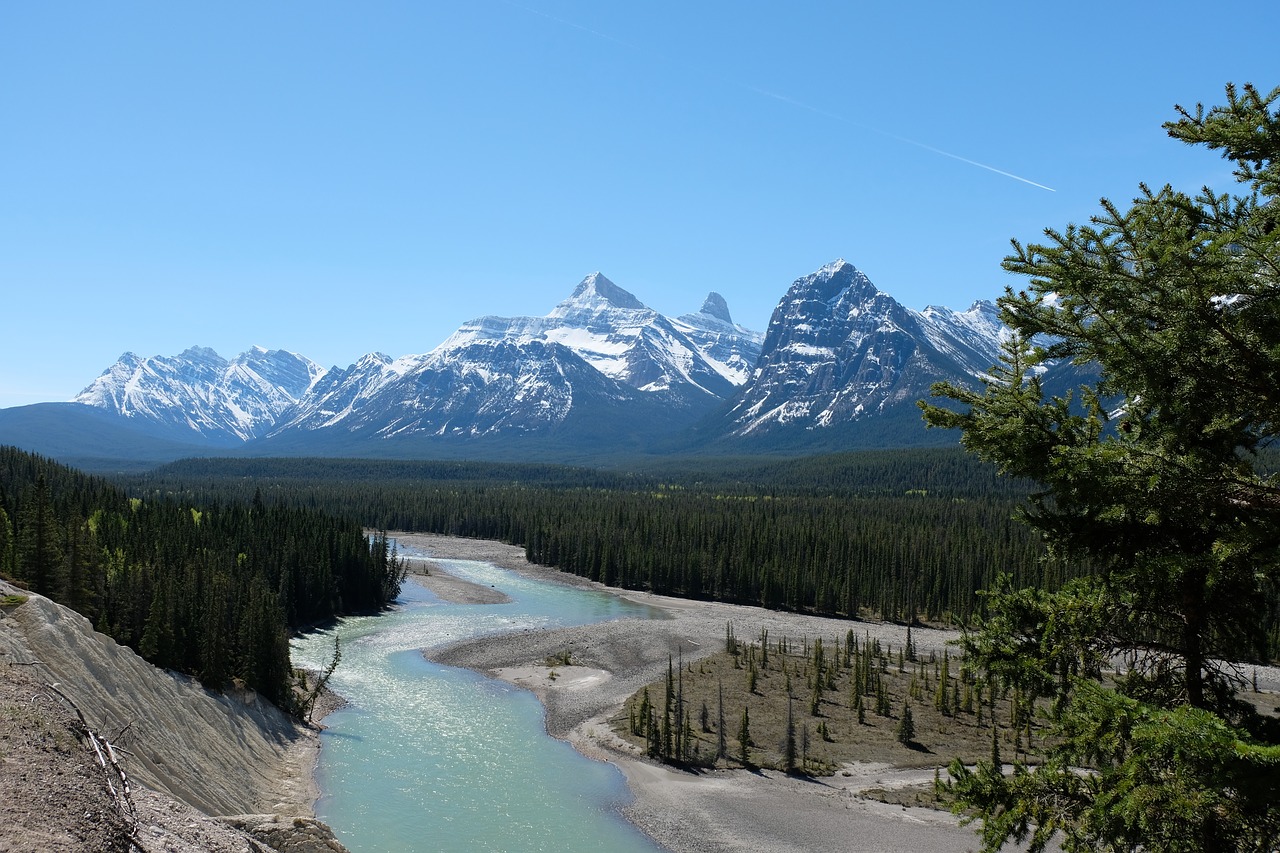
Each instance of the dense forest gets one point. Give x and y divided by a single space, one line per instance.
891 534
207 588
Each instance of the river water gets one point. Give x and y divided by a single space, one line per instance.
428 757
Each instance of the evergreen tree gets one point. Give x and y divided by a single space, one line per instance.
942 696
682 714
789 745
208 590
668 702
722 748
1151 475
6 545
39 561
640 725
744 737
906 730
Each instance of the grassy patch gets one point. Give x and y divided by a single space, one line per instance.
818 684
12 600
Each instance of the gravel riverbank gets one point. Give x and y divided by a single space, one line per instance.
735 810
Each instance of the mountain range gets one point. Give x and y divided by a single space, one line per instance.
840 366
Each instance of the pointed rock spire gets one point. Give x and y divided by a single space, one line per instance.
715 306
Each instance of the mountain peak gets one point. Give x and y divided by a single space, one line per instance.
715 306
839 285
199 353
844 272
595 288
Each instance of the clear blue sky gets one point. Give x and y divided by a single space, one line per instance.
339 178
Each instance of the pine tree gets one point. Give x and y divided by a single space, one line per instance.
39 560
789 746
6 545
668 737
744 737
1151 475
906 731
682 714
722 749
942 697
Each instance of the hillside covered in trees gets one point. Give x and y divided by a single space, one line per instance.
210 589
893 534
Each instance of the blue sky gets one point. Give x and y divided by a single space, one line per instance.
335 178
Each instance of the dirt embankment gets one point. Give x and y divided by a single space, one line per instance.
188 752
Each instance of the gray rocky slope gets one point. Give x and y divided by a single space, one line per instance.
188 752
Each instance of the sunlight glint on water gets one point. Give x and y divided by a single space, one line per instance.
435 758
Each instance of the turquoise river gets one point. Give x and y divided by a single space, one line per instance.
428 757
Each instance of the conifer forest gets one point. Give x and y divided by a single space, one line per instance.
211 589
892 534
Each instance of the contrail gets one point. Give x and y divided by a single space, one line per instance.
827 114
775 96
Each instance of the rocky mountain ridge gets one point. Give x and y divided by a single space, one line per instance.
200 392
840 351
840 365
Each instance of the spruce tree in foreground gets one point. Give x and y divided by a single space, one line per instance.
1151 475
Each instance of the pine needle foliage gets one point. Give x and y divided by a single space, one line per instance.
1154 473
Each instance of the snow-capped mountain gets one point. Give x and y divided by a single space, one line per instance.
841 365
840 353
342 391
485 388
199 392
601 348
628 342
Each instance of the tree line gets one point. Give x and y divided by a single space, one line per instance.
894 534
209 589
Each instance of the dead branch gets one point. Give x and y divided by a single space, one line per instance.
112 770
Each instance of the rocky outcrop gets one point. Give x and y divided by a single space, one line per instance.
286 834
